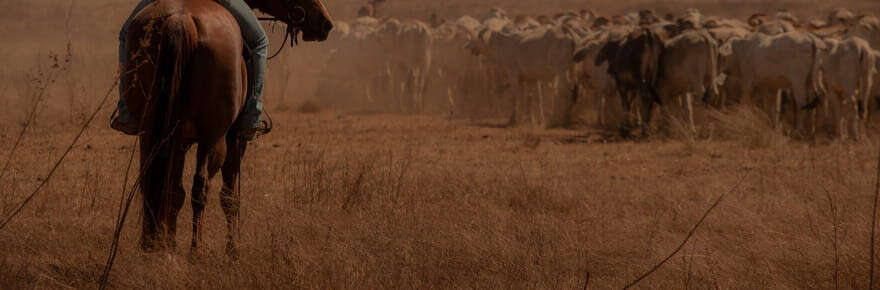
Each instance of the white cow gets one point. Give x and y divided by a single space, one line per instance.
789 61
533 58
688 67
848 68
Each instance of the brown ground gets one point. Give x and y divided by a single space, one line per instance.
343 200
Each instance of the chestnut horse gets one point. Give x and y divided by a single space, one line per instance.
186 77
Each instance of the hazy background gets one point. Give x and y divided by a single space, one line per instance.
32 28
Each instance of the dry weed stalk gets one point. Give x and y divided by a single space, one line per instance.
41 80
874 220
689 235
61 159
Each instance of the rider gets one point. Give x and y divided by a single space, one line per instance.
249 122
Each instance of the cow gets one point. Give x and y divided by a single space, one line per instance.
687 66
348 78
532 59
496 20
786 16
867 28
395 72
841 16
453 71
789 61
523 22
632 62
718 22
409 61
784 22
595 80
848 68
469 24
724 34
775 27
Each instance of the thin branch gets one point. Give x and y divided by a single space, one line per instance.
874 221
688 237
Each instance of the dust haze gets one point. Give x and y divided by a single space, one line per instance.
384 173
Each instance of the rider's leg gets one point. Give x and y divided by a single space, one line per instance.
124 117
256 39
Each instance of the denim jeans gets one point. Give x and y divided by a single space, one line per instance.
254 37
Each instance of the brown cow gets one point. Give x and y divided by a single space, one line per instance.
633 64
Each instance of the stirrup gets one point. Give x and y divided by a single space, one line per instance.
252 133
126 128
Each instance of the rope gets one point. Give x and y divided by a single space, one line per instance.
123 214
281 47
63 156
288 31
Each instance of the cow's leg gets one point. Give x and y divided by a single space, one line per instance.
689 99
625 97
602 109
833 119
777 110
637 113
450 97
418 101
854 117
798 99
542 117
636 107
514 102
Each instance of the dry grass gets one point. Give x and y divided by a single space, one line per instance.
339 200
344 201
748 125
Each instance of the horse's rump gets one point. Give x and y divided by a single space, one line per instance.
163 91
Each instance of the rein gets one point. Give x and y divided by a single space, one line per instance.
292 29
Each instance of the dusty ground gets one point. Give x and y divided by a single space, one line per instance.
349 201
342 200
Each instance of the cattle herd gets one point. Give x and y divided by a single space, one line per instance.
807 75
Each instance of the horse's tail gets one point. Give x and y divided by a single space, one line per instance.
176 40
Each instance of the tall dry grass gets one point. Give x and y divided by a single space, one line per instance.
339 200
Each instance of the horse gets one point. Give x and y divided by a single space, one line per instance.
186 77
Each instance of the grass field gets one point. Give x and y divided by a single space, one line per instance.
336 199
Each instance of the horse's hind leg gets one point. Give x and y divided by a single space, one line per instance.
177 195
209 158
229 195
